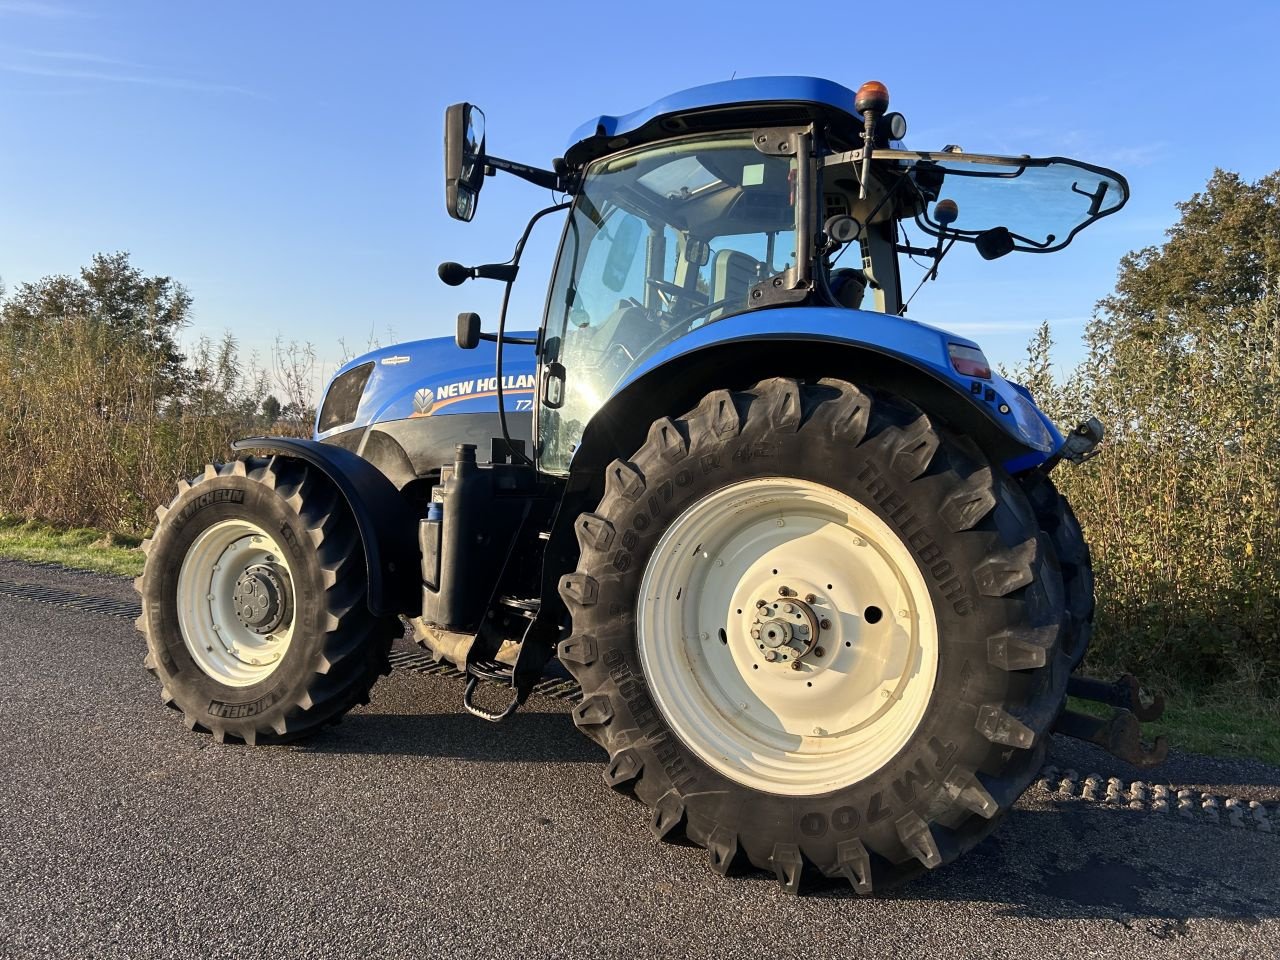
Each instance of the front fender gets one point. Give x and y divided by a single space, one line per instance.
895 339
388 528
872 349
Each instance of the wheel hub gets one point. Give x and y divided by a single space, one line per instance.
795 649
261 599
236 608
786 628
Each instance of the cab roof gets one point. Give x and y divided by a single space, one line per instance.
753 100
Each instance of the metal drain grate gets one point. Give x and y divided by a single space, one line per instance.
37 593
417 662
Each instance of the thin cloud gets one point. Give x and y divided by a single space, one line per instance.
75 56
149 80
38 8
993 326
1136 155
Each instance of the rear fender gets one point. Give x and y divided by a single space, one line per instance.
388 527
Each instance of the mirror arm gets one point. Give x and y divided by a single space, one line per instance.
535 175
915 251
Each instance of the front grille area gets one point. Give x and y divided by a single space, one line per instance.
343 398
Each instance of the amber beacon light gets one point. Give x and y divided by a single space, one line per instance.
871 100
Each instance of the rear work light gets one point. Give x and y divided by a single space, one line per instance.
969 361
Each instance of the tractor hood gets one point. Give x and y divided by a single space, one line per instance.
425 378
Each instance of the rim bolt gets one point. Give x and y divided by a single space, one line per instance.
761 603
795 664
771 655
824 623
702 636
782 523
903 614
786 591
818 651
810 598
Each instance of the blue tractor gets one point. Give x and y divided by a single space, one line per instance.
802 554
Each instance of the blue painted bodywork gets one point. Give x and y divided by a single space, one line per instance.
724 93
919 344
435 378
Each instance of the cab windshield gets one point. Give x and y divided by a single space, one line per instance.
1042 203
661 241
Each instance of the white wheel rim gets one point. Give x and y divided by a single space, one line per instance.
211 617
842 715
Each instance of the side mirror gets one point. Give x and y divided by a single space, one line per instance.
994 243
468 335
463 159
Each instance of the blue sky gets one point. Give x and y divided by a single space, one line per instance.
283 159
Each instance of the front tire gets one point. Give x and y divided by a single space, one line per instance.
831 517
253 603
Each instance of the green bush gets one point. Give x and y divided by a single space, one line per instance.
1182 506
100 413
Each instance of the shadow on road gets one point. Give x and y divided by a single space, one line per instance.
1051 858
526 738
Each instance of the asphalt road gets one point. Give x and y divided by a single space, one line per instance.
414 830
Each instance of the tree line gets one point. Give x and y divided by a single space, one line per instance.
1182 505
102 410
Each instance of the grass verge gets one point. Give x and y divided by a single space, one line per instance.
79 547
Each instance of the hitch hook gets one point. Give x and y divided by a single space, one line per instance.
1121 735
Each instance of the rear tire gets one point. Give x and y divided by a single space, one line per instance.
1058 522
254 603
989 583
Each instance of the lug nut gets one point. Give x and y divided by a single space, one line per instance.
810 598
824 623
818 651
785 591
795 664
761 603
771 655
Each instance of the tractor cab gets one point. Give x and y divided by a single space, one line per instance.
752 195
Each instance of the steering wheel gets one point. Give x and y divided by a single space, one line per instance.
671 292
679 329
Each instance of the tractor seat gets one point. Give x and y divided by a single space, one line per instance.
733 273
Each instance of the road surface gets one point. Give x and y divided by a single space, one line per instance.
415 830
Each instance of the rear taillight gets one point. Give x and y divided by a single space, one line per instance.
969 361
